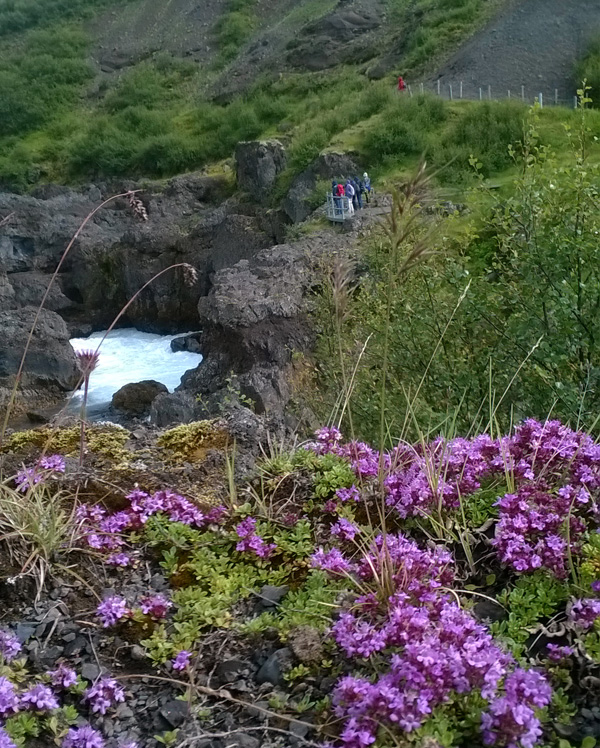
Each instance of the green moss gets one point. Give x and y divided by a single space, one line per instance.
106 440
191 441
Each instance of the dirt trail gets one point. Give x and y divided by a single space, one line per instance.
532 43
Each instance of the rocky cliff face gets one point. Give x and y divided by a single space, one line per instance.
189 221
250 299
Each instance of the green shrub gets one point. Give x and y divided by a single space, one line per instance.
588 69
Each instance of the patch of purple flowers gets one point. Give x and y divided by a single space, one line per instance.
103 694
63 677
428 649
251 541
584 613
83 737
5 741
156 606
181 660
555 472
9 701
10 647
111 610
40 697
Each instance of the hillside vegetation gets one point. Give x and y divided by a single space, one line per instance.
63 119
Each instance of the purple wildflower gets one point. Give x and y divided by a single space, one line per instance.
344 529
83 737
5 741
53 463
104 694
556 653
584 613
182 660
332 561
9 646
63 677
111 610
40 697
119 559
9 701
596 586
156 606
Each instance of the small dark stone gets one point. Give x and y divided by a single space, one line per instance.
70 636
34 416
90 671
327 684
51 654
587 714
175 712
274 668
229 670
305 642
270 595
25 631
123 712
298 730
75 647
241 740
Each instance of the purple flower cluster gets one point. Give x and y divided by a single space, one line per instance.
428 648
510 720
83 737
251 541
9 699
111 610
63 677
181 660
104 532
5 741
10 646
39 473
558 653
584 613
103 694
555 471
531 532
156 606
39 697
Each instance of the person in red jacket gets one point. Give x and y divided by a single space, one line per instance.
401 83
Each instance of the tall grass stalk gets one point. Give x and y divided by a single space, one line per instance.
64 255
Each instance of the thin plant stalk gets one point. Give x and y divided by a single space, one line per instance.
19 373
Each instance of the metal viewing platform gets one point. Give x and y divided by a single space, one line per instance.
339 209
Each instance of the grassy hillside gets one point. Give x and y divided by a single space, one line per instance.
62 118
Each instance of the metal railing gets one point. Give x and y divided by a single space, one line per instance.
459 90
339 209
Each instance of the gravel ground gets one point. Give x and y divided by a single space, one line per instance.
532 43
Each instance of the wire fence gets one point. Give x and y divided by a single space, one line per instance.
460 90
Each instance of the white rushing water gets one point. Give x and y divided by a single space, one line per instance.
129 355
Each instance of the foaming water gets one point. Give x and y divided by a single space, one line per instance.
129 355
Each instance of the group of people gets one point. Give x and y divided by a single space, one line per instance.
354 189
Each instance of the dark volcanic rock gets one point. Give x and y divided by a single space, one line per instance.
50 367
275 667
168 409
189 343
135 398
117 253
327 166
258 163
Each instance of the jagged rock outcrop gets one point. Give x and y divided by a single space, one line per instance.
326 167
136 398
258 164
50 367
254 318
117 253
